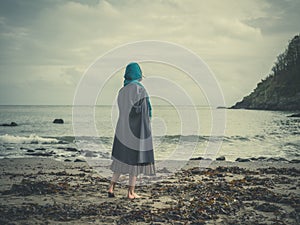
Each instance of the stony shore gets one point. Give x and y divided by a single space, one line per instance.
45 191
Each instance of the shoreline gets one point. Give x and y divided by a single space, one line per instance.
46 191
78 156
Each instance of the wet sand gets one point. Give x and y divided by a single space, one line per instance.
45 191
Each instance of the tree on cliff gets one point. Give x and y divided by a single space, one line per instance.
281 89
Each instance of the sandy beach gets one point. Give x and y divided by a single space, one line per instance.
45 191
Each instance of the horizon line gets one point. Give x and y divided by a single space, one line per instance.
96 105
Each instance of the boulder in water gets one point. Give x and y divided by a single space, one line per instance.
12 124
70 149
79 160
44 154
242 160
89 154
221 158
295 161
197 158
60 121
295 115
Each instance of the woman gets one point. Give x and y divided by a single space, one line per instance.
132 151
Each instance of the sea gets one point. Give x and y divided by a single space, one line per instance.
89 134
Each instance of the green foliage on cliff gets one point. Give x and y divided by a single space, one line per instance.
281 89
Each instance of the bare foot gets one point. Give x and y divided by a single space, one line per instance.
110 191
136 195
133 196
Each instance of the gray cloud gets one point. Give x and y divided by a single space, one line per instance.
282 16
48 44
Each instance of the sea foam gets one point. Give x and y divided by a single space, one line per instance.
32 139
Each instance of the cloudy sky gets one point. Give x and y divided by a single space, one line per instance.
46 45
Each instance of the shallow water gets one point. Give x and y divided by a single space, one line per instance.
178 133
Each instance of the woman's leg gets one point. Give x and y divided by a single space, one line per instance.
113 182
131 188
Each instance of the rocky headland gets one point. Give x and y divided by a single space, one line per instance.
281 89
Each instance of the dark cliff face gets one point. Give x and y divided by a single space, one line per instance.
281 89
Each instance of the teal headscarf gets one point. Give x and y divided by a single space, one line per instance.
133 74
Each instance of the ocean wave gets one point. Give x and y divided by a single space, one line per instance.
32 139
200 138
176 138
168 138
66 139
108 140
